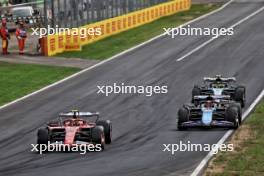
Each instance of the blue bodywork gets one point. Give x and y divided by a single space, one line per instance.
217 91
207 120
207 116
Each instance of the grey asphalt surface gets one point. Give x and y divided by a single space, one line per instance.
140 124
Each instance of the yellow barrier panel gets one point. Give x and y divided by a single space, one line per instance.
51 43
63 42
73 43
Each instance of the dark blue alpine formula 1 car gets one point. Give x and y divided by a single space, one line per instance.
210 111
219 85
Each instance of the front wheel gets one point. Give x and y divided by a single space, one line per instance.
239 111
183 114
43 136
232 116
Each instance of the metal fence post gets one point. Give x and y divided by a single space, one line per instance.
98 10
92 11
52 14
45 14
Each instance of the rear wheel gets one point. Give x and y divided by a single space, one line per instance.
232 116
195 92
182 117
240 95
107 129
98 136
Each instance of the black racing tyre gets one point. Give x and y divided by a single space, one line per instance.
107 124
232 116
240 95
98 136
43 136
239 110
183 116
195 92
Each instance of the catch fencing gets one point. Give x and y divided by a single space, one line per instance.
57 43
75 13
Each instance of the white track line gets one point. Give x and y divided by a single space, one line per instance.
204 162
212 39
109 59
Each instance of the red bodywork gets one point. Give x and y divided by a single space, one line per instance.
71 126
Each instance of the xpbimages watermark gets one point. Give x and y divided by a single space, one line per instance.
190 147
82 32
131 89
194 31
82 148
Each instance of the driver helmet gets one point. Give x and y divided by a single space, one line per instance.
208 104
67 123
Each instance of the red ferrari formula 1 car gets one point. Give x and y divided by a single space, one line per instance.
72 128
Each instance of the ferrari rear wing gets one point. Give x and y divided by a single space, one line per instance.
79 114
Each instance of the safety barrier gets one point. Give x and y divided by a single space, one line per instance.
62 42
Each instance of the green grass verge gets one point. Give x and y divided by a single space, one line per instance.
17 80
248 158
110 46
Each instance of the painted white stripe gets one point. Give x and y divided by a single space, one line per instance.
109 59
212 39
204 162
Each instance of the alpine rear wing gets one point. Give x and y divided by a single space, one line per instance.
215 98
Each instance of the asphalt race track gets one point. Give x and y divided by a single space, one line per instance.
140 124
